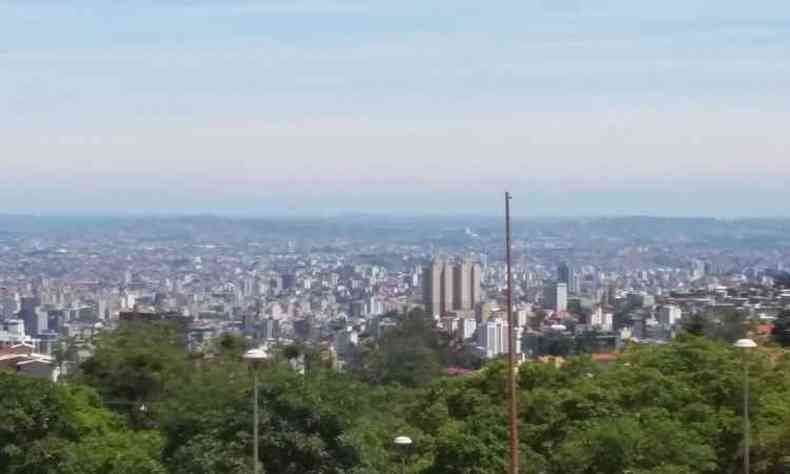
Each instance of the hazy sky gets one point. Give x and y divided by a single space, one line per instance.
579 107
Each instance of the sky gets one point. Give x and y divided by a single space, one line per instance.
320 107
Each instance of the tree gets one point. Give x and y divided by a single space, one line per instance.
636 444
46 428
65 351
660 409
724 325
231 345
675 408
697 325
133 365
781 331
321 422
409 354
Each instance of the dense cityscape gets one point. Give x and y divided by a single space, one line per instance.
147 320
580 287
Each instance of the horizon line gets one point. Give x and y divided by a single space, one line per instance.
246 215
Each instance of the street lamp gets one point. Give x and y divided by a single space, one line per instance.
403 443
255 357
746 345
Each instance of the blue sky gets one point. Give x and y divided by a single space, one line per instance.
313 107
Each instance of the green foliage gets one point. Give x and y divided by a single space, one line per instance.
413 354
46 428
231 345
408 355
121 452
698 325
722 325
674 408
322 422
666 409
135 364
644 442
781 330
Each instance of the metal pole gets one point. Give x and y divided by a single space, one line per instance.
747 425
403 465
255 421
514 457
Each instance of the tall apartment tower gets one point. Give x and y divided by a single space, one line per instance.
555 296
462 287
476 278
447 287
567 274
432 287
492 339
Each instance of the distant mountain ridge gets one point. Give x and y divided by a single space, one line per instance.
451 229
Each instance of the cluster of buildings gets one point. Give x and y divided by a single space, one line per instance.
571 311
570 295
22 359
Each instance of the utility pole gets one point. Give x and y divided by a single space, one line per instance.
512 366
255 467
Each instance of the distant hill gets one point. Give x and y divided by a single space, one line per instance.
439 229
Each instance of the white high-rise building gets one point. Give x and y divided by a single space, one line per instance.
492 339
555 297
568 275
669 315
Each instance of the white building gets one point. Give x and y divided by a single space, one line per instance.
601 320
12 333
461 327
492 339
669 315
375 307
468 328
522 317
555 297
23 360
346 340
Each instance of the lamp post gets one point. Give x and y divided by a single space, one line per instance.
255 357
746 345
403 443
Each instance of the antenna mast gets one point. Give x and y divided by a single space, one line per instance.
512 366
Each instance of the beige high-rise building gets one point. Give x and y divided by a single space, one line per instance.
476 278
448 287
432 287
462 287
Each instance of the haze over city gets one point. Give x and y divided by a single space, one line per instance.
325 107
